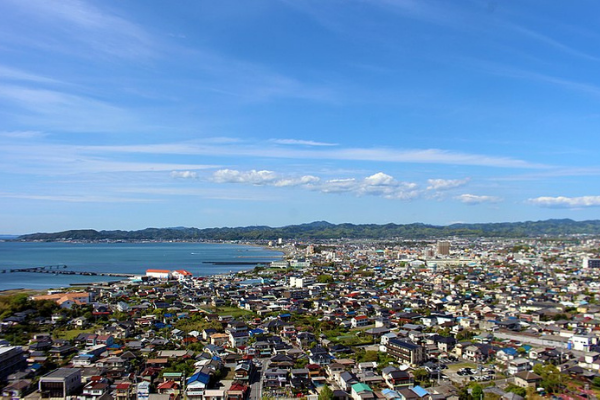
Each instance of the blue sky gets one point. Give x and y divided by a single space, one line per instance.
126 115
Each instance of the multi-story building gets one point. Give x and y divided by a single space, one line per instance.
591 263
60 383
406 352
12 359
443 248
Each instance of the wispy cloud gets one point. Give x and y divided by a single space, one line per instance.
250 82
23 134
510 71
420 156
13 74
446 184
54 160
566 202
551 42
301 142
475 199
76 198
61 110
79 25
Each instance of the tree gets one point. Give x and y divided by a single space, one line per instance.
370 356
477 392
516 390
551 380
421 376
325 278
464 335
326 393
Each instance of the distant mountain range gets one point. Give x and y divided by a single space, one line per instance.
326 230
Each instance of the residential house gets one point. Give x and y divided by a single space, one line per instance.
526 379
361 391
518 365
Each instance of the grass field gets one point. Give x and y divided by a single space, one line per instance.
233 311
72 333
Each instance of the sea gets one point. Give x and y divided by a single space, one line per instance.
201 259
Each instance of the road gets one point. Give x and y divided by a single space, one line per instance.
256 386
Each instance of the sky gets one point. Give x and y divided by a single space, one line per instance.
202 113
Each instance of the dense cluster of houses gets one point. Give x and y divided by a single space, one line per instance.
311 321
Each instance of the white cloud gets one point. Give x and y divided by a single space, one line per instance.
261 178
379 184
338 185
445 184
474 199
301 142
566 202
305 180
250 177
380 179
184 174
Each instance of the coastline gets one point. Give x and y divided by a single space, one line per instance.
102 260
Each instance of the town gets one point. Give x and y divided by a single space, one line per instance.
361 320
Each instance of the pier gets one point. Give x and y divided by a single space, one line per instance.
61 270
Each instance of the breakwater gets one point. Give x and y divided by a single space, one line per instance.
61 270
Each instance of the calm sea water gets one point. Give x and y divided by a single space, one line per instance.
130 258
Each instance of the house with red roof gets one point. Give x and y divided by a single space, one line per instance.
359 320
182 275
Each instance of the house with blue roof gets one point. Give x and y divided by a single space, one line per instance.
196 385
419 391
506 354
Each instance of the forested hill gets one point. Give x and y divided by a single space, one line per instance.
326 230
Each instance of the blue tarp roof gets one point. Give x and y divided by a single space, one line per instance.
420 391
199 377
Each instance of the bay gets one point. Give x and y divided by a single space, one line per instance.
127 258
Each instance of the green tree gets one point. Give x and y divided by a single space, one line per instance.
421 376
551 379
325 278
326 393
477 392
516 390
